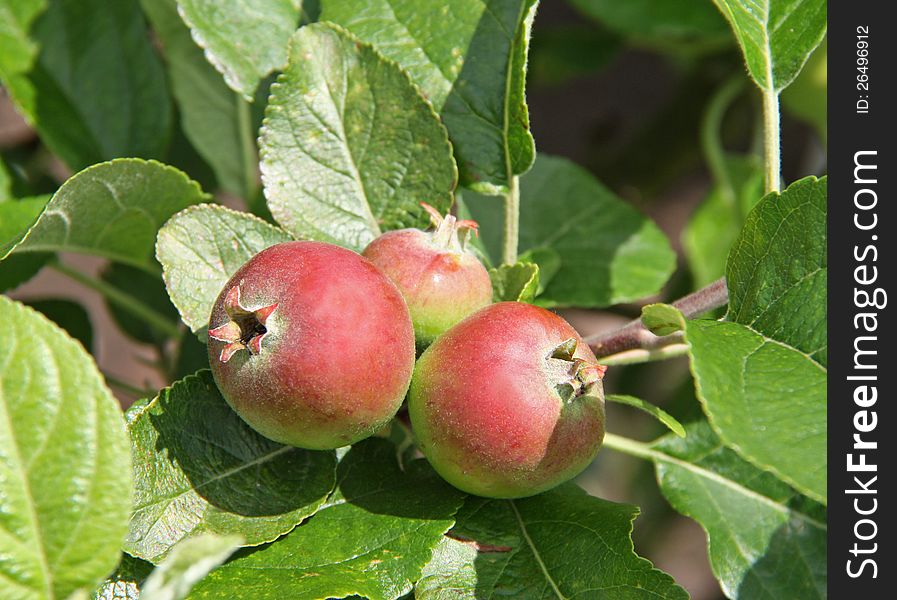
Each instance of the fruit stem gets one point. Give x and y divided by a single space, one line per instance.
512 221
635 335
124 301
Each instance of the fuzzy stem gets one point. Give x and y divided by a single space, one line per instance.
124 301
635 335
512 221
772 146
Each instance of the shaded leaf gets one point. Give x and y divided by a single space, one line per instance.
655 411
609 252
469 58
201 247
63 461
372 539
776 36
189 561
126 581
560 544
656 18
765 542
517 283
349 146
244 41
70 316
85 76
199 467
15 219
777 270
150 290
765 399
112 210
214 117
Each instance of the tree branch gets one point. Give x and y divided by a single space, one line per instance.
635 335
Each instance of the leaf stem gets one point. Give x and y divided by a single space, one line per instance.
125 301
635 335
512 221
642 355
631 447
711 141
772 146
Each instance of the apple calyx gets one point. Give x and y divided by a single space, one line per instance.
246 328
450 233
573 377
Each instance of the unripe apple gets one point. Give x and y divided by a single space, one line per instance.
311 345
509 402
441 280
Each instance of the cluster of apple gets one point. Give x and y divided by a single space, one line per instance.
316 346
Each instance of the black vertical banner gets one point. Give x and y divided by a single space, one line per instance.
862 59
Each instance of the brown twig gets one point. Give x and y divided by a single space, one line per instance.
635 335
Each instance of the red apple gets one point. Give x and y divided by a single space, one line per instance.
311 345
509 402
441 280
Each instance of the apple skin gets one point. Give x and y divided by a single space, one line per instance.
442 281
326 351
486 410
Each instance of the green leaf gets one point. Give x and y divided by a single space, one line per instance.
150 290
85 75
765 541
349 146
662 319
652 409
189 561
17 49
609 252
69 315
201 247
126 581
15 219
214 118
764 399
524 549
656 18
63 461
199 468
517 283
372 539
777 270
245 42
717 222
469 58
776 36
548 261
112 210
